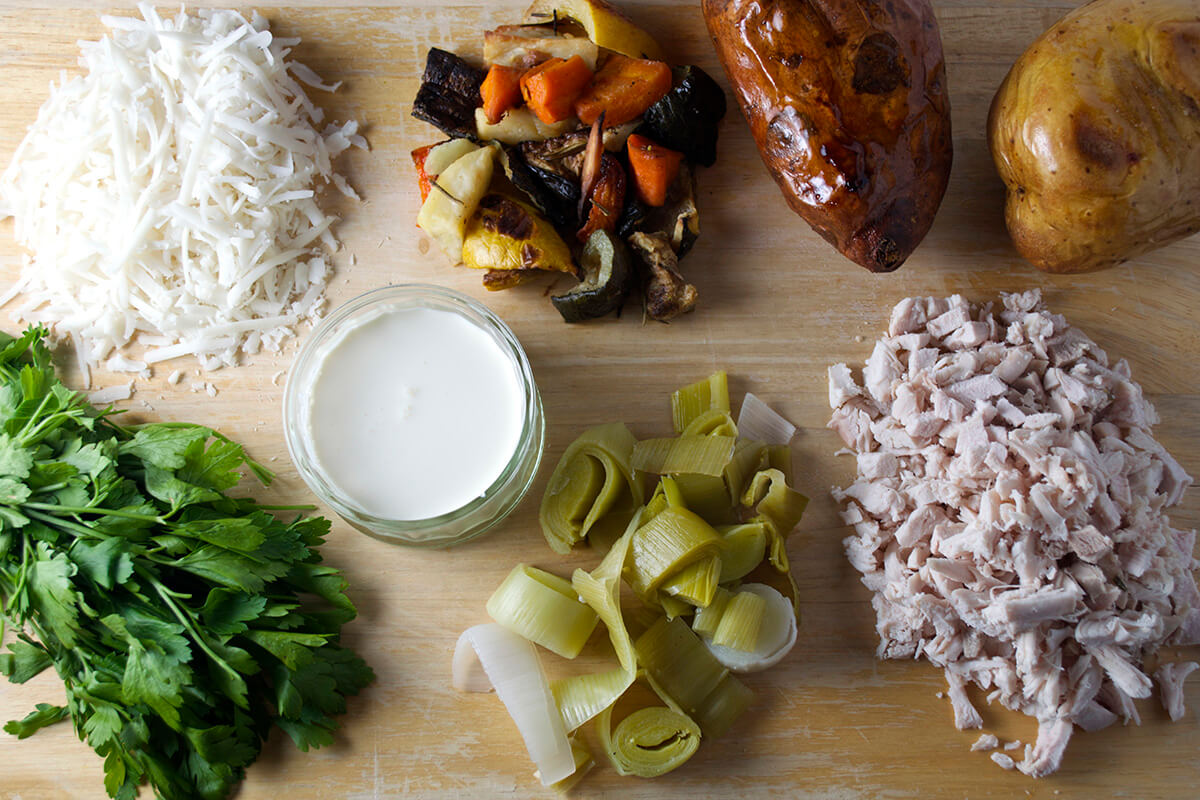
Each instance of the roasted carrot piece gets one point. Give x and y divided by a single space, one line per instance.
500 91
654 168
623 88
423 180
551 88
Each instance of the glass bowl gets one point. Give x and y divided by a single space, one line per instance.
456 526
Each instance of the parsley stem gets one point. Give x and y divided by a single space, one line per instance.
104 512
65 524
186 621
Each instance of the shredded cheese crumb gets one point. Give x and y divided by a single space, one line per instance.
168 196
111 394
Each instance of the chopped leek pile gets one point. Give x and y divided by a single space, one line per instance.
720 512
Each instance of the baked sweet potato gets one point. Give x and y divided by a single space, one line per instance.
847 102
1096 133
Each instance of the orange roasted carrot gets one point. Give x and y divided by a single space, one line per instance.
500 91
654 168
423 180
623 88
551 88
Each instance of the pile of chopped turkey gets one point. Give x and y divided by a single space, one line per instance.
168 196
1010 515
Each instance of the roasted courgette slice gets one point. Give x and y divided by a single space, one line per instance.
607 278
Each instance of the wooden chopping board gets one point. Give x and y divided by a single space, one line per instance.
778 306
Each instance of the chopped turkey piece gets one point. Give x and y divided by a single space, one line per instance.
1010 516
1170 679
1003 760
986 741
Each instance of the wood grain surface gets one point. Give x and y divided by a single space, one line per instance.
778 305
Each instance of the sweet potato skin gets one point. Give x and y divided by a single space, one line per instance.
848 104
1096 134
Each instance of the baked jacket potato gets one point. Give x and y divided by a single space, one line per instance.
1096 134
847 102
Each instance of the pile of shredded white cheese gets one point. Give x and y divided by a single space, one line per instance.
167 197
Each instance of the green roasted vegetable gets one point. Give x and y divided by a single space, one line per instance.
185 624
686 118
608 277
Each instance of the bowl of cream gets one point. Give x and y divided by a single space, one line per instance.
412 412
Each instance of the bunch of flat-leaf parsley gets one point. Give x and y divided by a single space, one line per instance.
183 622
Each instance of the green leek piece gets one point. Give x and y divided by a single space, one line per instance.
714 422
650 741
693 400
774 502
706 620
583 765
740 624
674 607
582 697
672 540
696 582
748 458
743 548
702 455
679 662
707 496
544 609
670 492
593 478
779 456
723 706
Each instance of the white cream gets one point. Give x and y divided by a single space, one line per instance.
414 412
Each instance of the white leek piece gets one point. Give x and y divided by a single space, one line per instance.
776 636
511 664
758 422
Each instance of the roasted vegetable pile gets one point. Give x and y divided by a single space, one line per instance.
184 623
596 139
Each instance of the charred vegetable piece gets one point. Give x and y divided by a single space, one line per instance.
607 198
500 91
449 94
604 24
607 278
677 218
622 89
667 294
506 234
496 280
654 169
551 88
686 118
632 217
555 196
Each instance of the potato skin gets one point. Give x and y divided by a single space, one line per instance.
847 102
1096 134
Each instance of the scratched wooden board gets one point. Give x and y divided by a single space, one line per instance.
778 305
